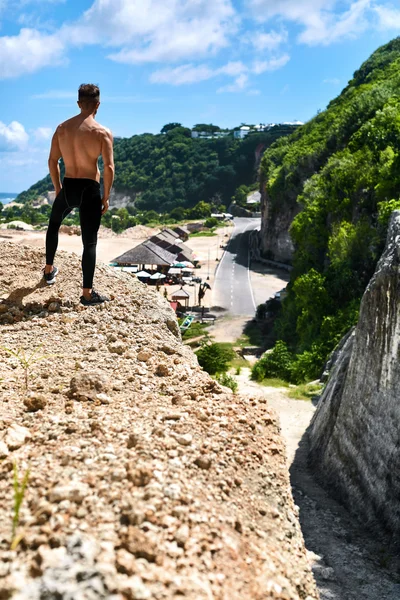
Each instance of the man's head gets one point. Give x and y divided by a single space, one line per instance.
89 97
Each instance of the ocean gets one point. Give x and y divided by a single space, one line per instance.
6 197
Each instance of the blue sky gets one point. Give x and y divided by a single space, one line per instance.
157 61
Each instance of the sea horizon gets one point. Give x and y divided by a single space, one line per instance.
6 197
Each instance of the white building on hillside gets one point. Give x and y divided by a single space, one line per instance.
241 133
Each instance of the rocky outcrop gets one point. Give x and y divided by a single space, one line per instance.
121 199
354 435
147 479
275 241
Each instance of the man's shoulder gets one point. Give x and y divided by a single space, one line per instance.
64 125
104 131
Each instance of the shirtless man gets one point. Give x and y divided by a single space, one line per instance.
80 141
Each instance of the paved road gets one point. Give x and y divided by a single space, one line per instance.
232 287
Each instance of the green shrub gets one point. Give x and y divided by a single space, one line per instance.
228 381
211 222
276 363
306 366
215 358
385 210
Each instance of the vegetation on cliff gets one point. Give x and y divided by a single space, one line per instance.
343 169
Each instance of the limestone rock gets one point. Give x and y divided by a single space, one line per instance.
86 386
134 589
117 348
75 491
144 355
203 462
34 402
162 370
3 450
354 433
139 476
53 307
16 436
138 544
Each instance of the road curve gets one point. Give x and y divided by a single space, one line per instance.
232 285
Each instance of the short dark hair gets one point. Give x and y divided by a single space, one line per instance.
89 94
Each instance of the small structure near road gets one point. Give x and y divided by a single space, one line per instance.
181 295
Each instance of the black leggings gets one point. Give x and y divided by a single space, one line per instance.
85 195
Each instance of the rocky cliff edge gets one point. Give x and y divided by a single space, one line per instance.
147 480
355 432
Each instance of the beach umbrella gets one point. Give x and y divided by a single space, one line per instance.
179 265
188 264
157 276
143 274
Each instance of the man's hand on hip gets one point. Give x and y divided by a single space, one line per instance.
105 204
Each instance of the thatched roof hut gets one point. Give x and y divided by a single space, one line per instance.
146 253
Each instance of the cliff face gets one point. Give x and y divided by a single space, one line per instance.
354 435
147 479
275 241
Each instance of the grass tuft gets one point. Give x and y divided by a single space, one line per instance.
19 494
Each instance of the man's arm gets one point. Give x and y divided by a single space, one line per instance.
54 167
108 162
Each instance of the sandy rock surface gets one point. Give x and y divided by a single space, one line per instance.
147 479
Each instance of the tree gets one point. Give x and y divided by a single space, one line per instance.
178 213
202 210
206 128
170 126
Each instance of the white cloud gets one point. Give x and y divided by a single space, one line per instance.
331 27
233 68
155 30
145 31
273 64
27 52
12 136
389 18
55 95
324 21
43 133
262 41
253 93
183 74
190 73
238 86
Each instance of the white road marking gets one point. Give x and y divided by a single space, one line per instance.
224 254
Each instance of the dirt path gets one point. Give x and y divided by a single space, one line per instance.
348 563
228 329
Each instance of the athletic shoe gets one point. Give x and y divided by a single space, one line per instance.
50 278
95 298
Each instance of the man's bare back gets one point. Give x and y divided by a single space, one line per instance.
81 141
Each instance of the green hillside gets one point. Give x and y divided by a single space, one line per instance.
171 169
343 170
